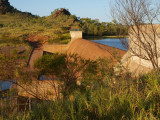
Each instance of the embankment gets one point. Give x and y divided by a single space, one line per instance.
91 50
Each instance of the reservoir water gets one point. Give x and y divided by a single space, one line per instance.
113 42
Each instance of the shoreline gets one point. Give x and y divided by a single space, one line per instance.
106 36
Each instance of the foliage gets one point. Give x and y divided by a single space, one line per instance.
53 28
94 27
101 94
7 67
33 28
68 68
126 98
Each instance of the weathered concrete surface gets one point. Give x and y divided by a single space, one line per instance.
133 66
150 40
54 48
76 35
149 35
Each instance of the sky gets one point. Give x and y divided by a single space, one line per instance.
95 9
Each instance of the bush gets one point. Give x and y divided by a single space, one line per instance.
105 102
1 25
102 94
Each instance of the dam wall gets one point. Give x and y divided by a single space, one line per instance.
61 48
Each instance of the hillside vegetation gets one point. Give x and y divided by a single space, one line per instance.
23 27
19 25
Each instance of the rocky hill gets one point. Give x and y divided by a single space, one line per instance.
60 11
5 7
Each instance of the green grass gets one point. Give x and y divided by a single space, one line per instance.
6 19
52 29
66 41
5 41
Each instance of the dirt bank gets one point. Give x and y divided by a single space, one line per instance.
91 50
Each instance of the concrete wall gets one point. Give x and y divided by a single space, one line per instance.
76 34
136 46
54 48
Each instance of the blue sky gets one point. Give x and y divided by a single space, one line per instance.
95 9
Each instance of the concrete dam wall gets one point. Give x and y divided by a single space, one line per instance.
76 35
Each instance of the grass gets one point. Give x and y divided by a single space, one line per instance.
65 41
6 19
114 101
10 42
103 96
36 29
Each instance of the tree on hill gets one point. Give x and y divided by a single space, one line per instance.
93 27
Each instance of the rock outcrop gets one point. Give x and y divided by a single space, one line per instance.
6 7
61 11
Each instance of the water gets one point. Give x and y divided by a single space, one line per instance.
5 85
121 43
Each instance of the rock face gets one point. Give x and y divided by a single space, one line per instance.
61 11
5 7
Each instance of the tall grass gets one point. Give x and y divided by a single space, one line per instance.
129 99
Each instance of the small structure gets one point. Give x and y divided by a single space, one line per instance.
62 48
76 34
